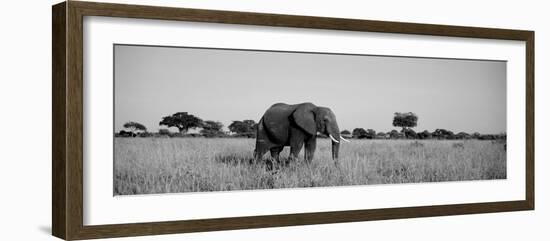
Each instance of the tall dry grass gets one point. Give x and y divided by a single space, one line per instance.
169 165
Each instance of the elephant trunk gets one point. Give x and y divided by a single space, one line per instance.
335 149
335 139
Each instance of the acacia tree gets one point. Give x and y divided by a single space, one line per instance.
243 128
380 135
134 126
424 135
212 128
410 134
181 120
359 133
164 132
463 135
371 134
442 134
405 120
394 134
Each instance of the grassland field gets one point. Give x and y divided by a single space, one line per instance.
173 165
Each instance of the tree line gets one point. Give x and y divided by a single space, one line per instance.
184 121
439 134
409 120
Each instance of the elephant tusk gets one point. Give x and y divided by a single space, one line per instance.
343 139
333 139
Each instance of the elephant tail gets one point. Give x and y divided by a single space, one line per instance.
262 133
260 126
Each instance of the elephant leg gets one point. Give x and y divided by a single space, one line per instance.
274 160
295 148
259 152
275 151
310 146
296 142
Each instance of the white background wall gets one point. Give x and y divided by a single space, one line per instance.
25 104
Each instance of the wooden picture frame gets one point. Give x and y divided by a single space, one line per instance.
67 123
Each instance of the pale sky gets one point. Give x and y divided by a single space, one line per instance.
362 91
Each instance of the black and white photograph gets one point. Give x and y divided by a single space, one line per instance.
201 119
275 120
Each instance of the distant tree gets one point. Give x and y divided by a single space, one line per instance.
476 135
123 133
212 125
359 133
380 135
488 137
443 134
164 132
145 134
405 120
346 134
394 134
212 129
371 134
463 135
409 133
134 126
181 120
245 128
424 135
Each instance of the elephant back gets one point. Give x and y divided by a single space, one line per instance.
277 123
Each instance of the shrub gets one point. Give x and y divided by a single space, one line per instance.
381 135
463 135
359 133
124 133
212 133
371 134
145 134
487 137
245 135
443 134
424 135
409 133
394 134
164 132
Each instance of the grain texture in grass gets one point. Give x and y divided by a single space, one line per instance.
172 165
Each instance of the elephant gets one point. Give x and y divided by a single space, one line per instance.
295 126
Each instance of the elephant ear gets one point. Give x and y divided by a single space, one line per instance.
304 117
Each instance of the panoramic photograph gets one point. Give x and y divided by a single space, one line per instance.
192 119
